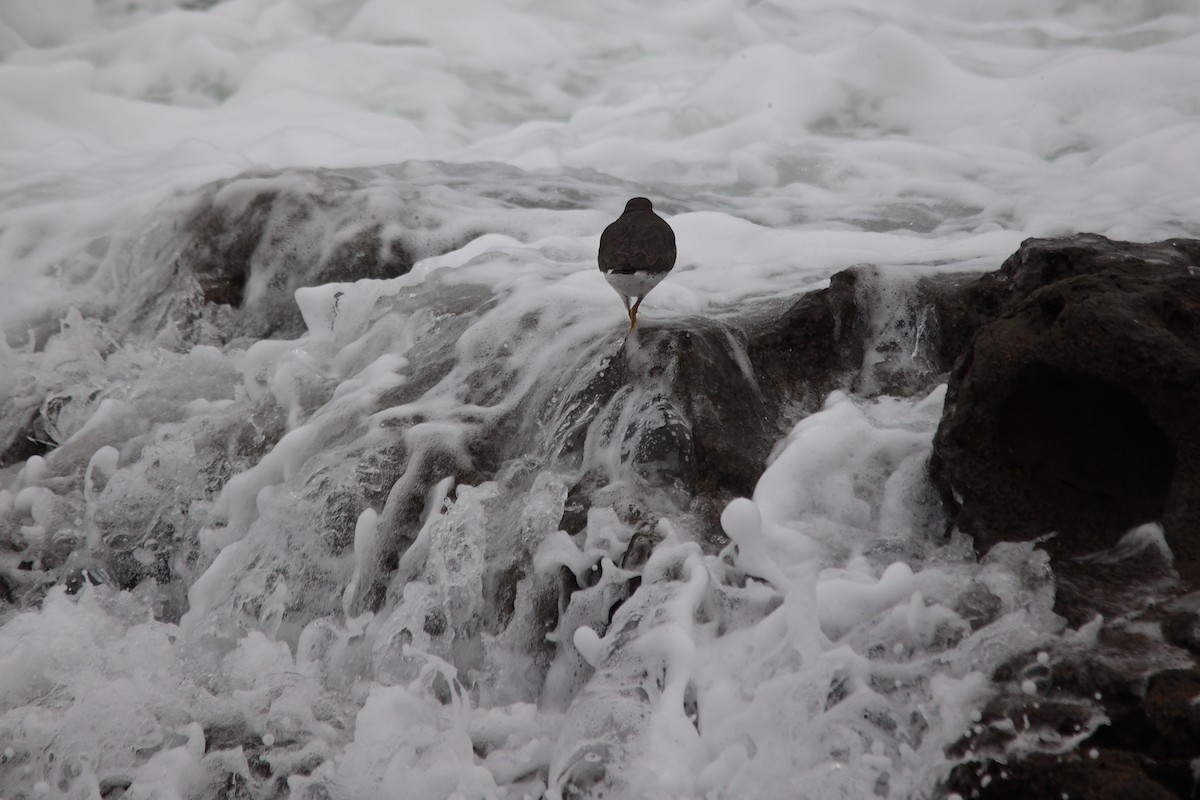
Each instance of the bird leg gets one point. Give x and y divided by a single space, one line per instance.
628 310
633 314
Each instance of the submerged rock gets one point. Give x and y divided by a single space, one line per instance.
23 437
256 226
1075 408
239 248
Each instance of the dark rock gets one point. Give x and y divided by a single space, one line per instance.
641 547
285 231
222 246
112 788
240 247
716 398
27 439
1042 776
718 425
1173 714
701 425
868 333
979 606
815 346
1071 409
1116 688
1116 584
1182 629
77 577
1076 410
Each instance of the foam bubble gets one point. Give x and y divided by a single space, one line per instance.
844 603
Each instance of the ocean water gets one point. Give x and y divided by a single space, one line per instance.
312 548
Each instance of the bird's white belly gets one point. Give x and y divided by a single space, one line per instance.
635 284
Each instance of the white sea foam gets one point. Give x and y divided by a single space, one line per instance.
827 647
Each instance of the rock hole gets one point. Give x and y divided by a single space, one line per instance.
1090 449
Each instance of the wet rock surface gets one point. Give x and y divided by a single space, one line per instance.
27 439
727 393
235 236
1072 410
1074 376
1075 408
1110 715
244 245
1106 776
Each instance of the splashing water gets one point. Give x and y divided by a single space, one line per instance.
402 512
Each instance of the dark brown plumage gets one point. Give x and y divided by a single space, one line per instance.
636 253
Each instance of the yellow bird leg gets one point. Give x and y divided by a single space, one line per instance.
633 314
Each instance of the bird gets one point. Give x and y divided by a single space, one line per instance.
636 253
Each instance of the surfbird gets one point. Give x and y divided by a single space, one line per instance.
636 253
